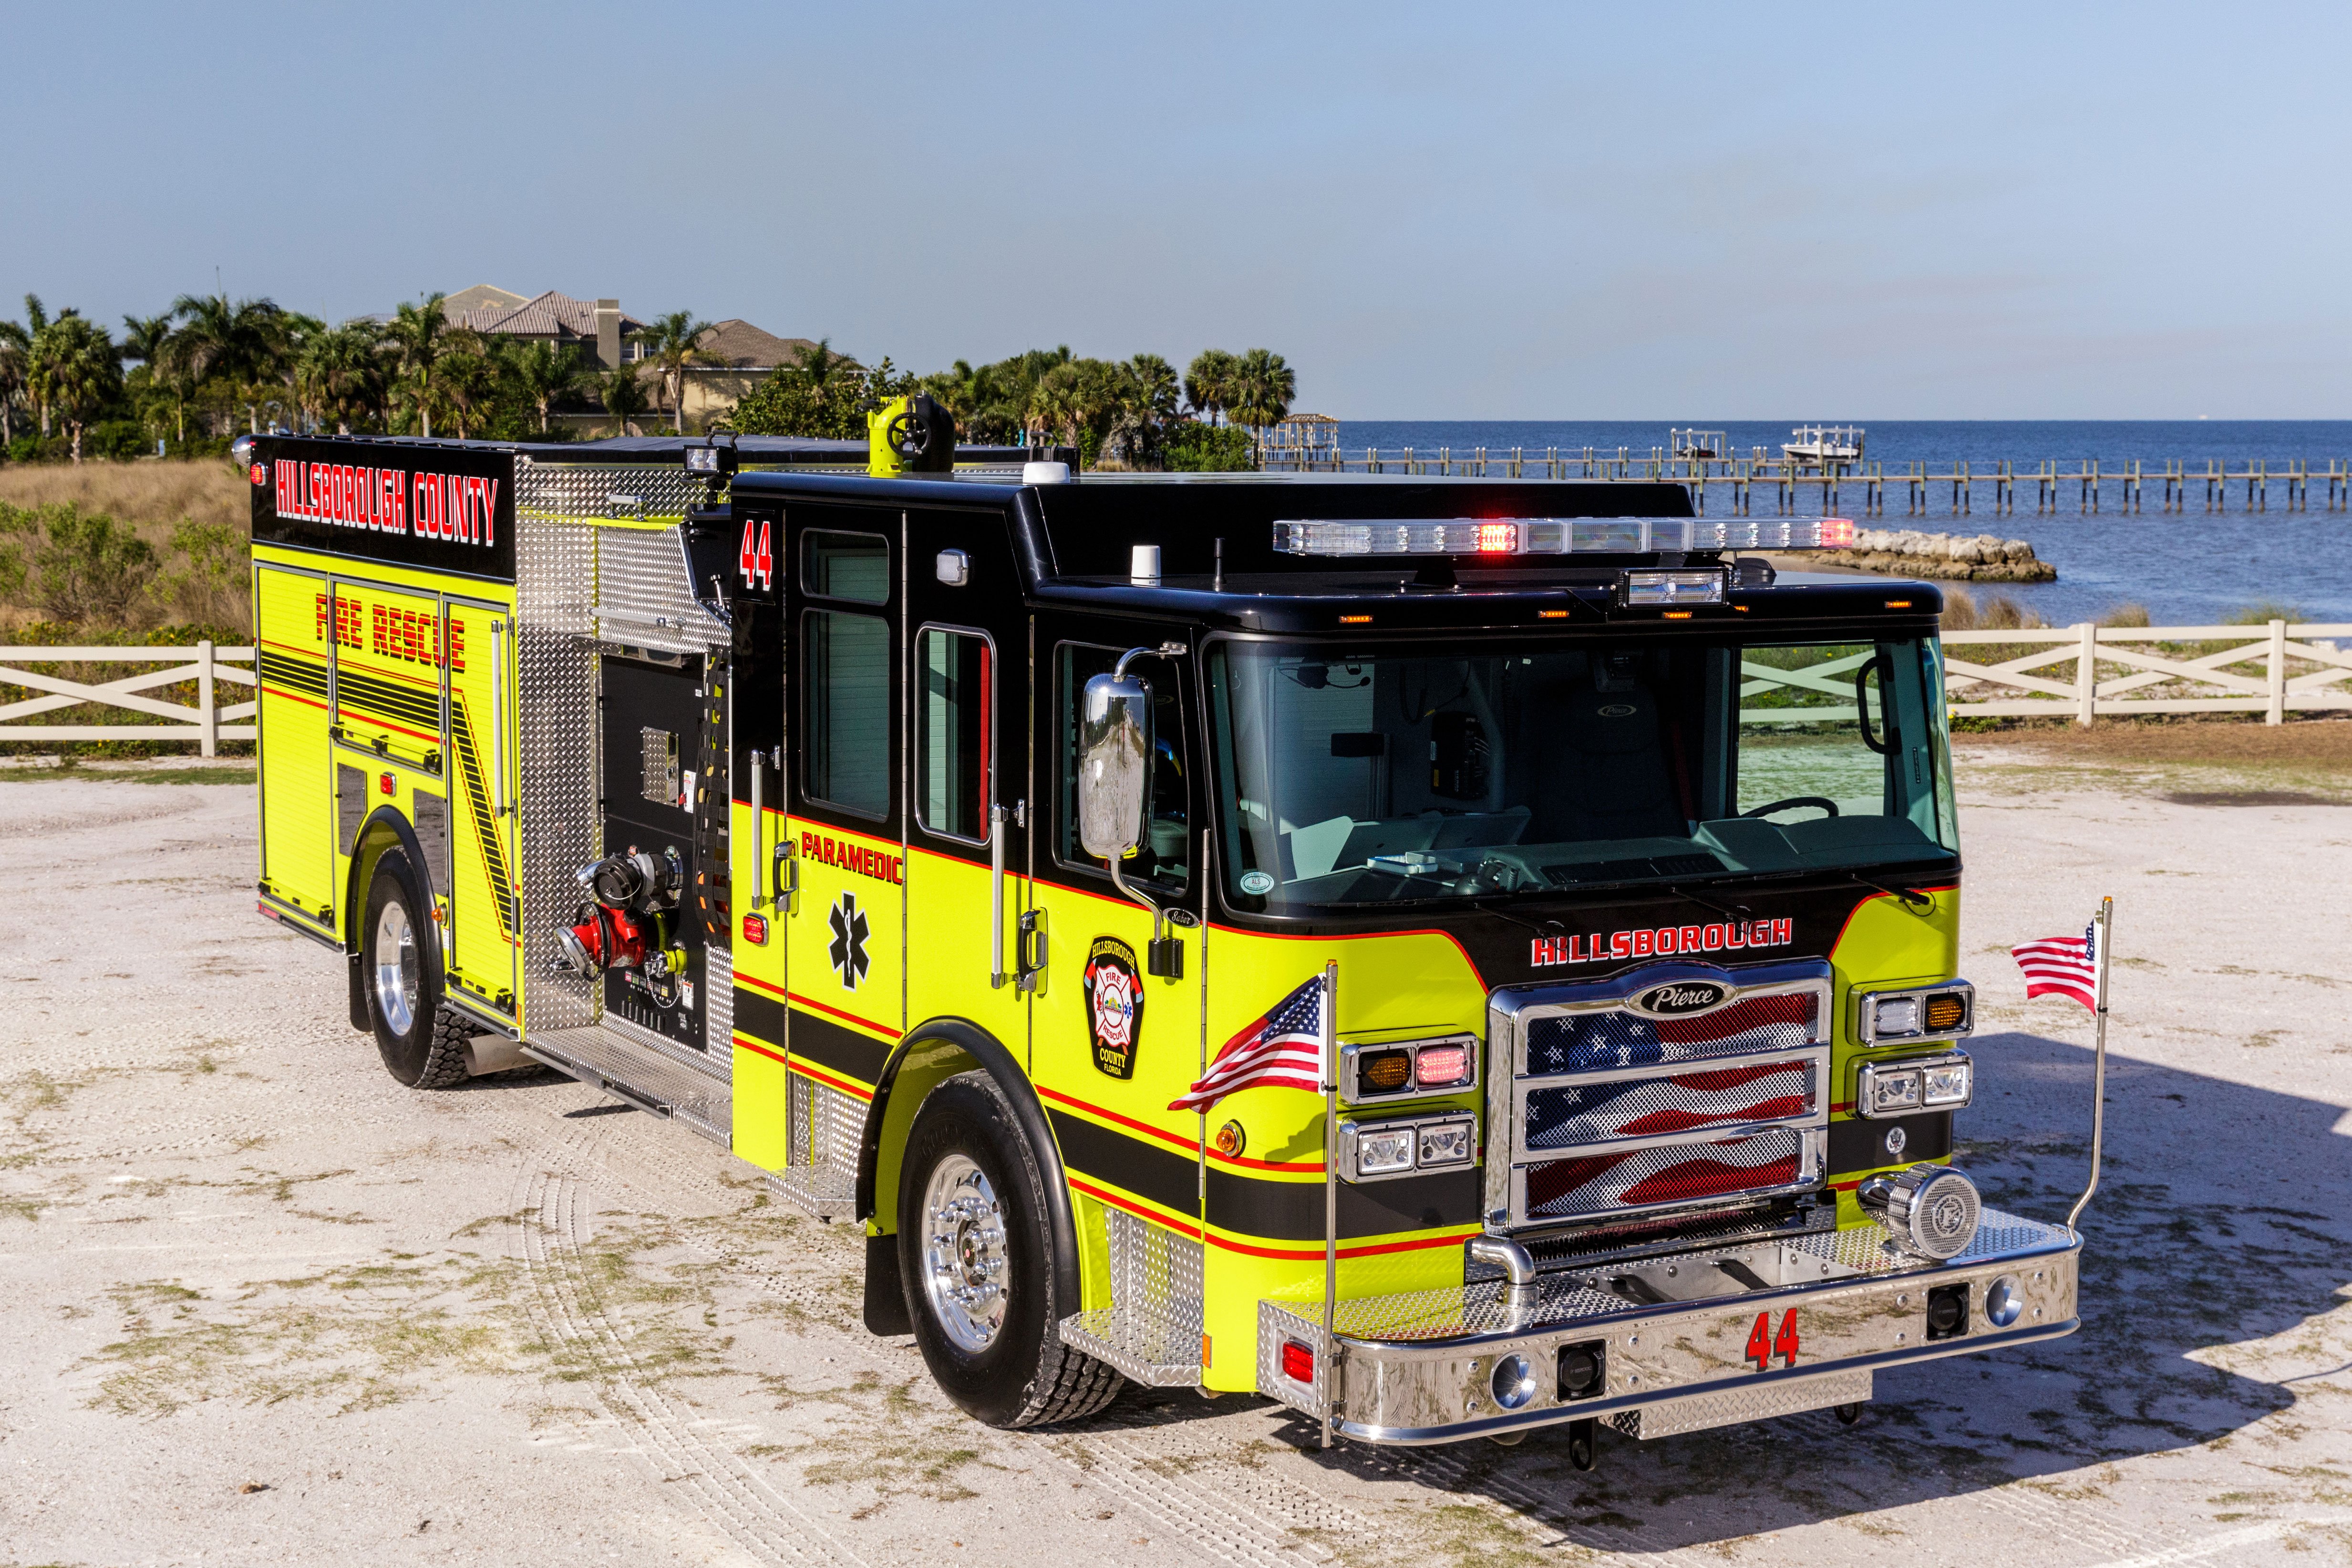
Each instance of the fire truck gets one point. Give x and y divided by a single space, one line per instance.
1454 957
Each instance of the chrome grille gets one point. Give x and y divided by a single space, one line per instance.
1776 1089
1600 1108
1656 1175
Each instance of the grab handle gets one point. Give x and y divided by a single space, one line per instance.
996 823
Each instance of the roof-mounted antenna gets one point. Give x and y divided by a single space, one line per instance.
1219 581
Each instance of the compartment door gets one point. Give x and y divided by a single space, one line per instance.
388 663
486 894
298 789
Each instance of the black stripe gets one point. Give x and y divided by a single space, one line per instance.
1293 1211
296 672
760 1016
388 699
1856 1144
817 1039
1147 1170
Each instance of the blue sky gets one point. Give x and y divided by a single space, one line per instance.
1670 211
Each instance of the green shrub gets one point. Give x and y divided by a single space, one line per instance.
1208 449
76 566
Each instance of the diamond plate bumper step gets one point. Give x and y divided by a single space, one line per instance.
1676 1343
1151 1331
651 1080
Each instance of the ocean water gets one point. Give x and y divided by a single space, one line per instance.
2189 567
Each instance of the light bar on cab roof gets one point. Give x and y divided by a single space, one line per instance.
1559 535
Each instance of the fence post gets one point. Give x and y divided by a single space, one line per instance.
2278 673
208 715
2087 674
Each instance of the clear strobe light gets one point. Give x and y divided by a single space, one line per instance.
1558 535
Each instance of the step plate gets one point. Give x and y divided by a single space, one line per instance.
605 1058
1732 1407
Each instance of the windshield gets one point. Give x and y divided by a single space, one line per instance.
1348 777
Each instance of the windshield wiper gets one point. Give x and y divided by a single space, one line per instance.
1912 897
1730 911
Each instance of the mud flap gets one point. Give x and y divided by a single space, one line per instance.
885 1292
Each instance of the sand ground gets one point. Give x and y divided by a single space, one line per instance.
260 1304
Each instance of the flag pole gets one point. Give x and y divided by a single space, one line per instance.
1331 1054
2104 926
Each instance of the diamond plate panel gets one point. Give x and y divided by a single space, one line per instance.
555 721
718 1010
820 1173
1732 1407
1151 1331
643 596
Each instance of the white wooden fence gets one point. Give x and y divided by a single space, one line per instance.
2273 670
207 723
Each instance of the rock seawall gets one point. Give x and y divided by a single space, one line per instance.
1952 557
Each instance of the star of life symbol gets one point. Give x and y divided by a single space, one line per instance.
849 933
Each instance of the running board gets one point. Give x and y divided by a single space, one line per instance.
606 1060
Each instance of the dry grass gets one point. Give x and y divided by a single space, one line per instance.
150 497
183 510
2323 744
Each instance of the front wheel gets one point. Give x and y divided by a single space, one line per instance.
975 1255
423 1044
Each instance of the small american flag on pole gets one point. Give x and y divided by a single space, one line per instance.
2063 966
1284 1050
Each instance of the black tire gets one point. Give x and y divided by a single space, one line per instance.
423 1043
1021 1374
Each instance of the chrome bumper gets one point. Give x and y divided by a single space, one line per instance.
1418 1368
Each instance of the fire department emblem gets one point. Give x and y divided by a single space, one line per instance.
849 933
1114 1005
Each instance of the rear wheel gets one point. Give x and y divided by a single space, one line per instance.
975 1254
422 1043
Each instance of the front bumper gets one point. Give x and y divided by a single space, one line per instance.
1419 1367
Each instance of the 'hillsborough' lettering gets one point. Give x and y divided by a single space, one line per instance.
459 508
1660 942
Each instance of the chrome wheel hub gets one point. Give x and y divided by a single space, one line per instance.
395 963
964 1256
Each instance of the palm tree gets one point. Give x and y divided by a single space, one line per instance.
467 378
1146 404
542 373
1263 387
242 344
143 337
1209 383
76 368
417 335
15 344
673 344
340 373
624 397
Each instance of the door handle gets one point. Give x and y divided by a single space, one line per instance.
996 975
1029 953
786 876
759 827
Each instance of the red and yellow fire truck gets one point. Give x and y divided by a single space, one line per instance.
1455 957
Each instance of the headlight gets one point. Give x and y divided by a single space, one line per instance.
1375 1150
1900 1088
1895 1016
1379 1153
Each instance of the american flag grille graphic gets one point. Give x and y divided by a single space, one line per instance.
1573 1114
1684 1173
1593 1042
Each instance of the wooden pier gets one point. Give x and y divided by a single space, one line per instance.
1786 483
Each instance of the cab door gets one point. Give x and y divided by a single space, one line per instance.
1108 1038
846 934
968 662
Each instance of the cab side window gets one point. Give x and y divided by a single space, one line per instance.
955 737
1164 858
846 737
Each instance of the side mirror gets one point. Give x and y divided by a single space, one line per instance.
1114 764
